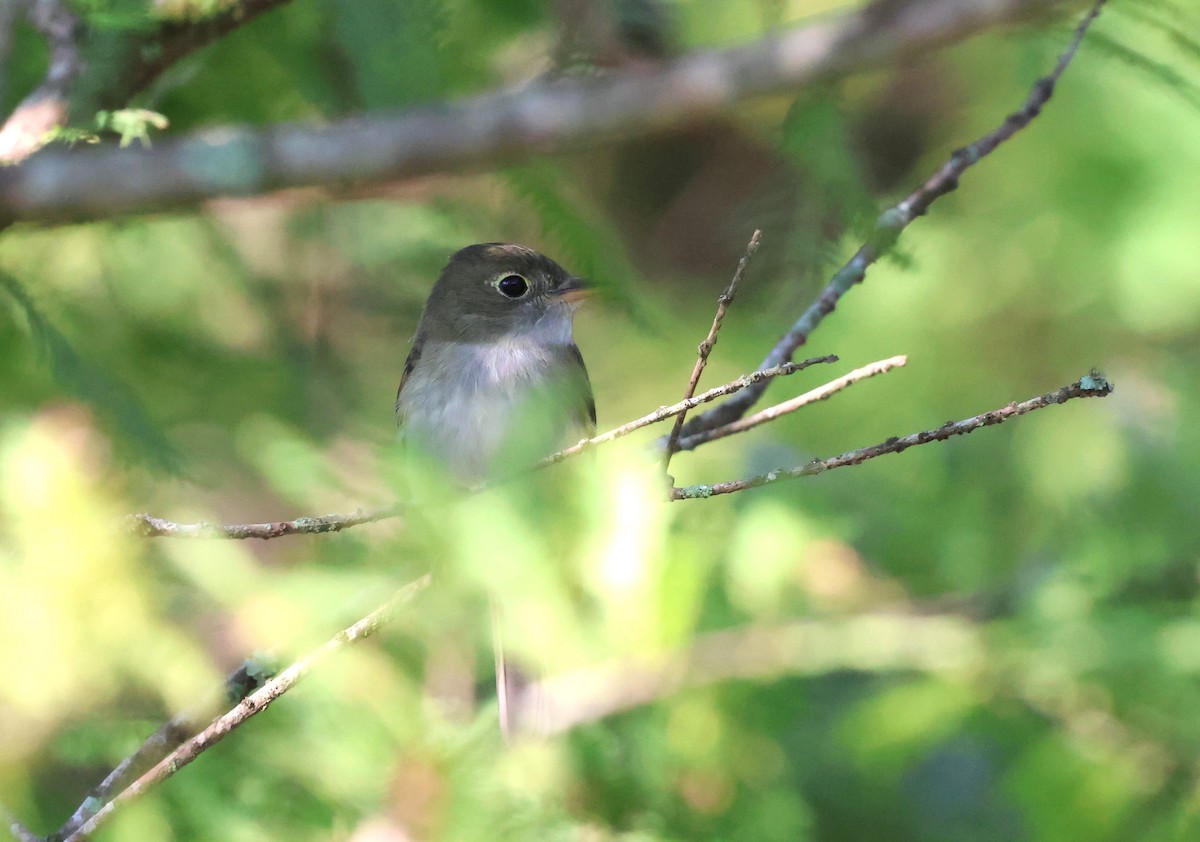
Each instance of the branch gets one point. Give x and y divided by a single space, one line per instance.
888 228
1093 385
19 832
46 108
899 641
780 409
488 129
665 412
709 342
148 526
176 39
244 680
253 704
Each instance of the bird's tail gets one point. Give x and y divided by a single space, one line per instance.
518 698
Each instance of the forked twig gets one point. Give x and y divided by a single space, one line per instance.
780 409
888 228
1093 385
705 347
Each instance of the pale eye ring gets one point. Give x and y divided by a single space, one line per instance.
513 286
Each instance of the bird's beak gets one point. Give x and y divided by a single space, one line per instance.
573 290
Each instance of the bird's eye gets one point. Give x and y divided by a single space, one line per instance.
513 286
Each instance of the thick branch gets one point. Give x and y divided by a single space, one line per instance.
887 230
493 128
1091 386
253 704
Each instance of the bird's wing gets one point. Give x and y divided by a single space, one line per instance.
409 365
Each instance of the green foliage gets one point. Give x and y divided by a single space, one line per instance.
113 400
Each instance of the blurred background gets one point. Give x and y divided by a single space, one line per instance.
996 637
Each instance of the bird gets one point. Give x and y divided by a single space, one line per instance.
494 382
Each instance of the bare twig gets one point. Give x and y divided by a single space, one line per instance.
505 126
665 412
1091 386
46 108
887 231
705 347
253 704
810 397
149 526
158 745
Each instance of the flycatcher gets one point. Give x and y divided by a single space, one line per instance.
494 380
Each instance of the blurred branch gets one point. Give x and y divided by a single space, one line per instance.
244 680
18 831
248 707
873 642
148 526
176 39
780 409
46 108
1091 386
888 228
503 126
705 347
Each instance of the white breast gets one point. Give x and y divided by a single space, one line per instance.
460 401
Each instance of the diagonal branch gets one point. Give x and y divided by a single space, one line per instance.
780 409
18 831
46 108
1093 385
250 706
709 342
176 39
250 676
491 128
888 229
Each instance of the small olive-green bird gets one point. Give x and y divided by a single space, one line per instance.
494 382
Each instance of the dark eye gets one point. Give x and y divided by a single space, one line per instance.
512 286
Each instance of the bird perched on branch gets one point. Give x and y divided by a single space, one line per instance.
495 382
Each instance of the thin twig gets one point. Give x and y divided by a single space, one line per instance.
501 126
241 683
705 347
148 526
46 108
665 412
810 397
253 704
888 228
1092 386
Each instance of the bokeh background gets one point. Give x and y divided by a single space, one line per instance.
1000 634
